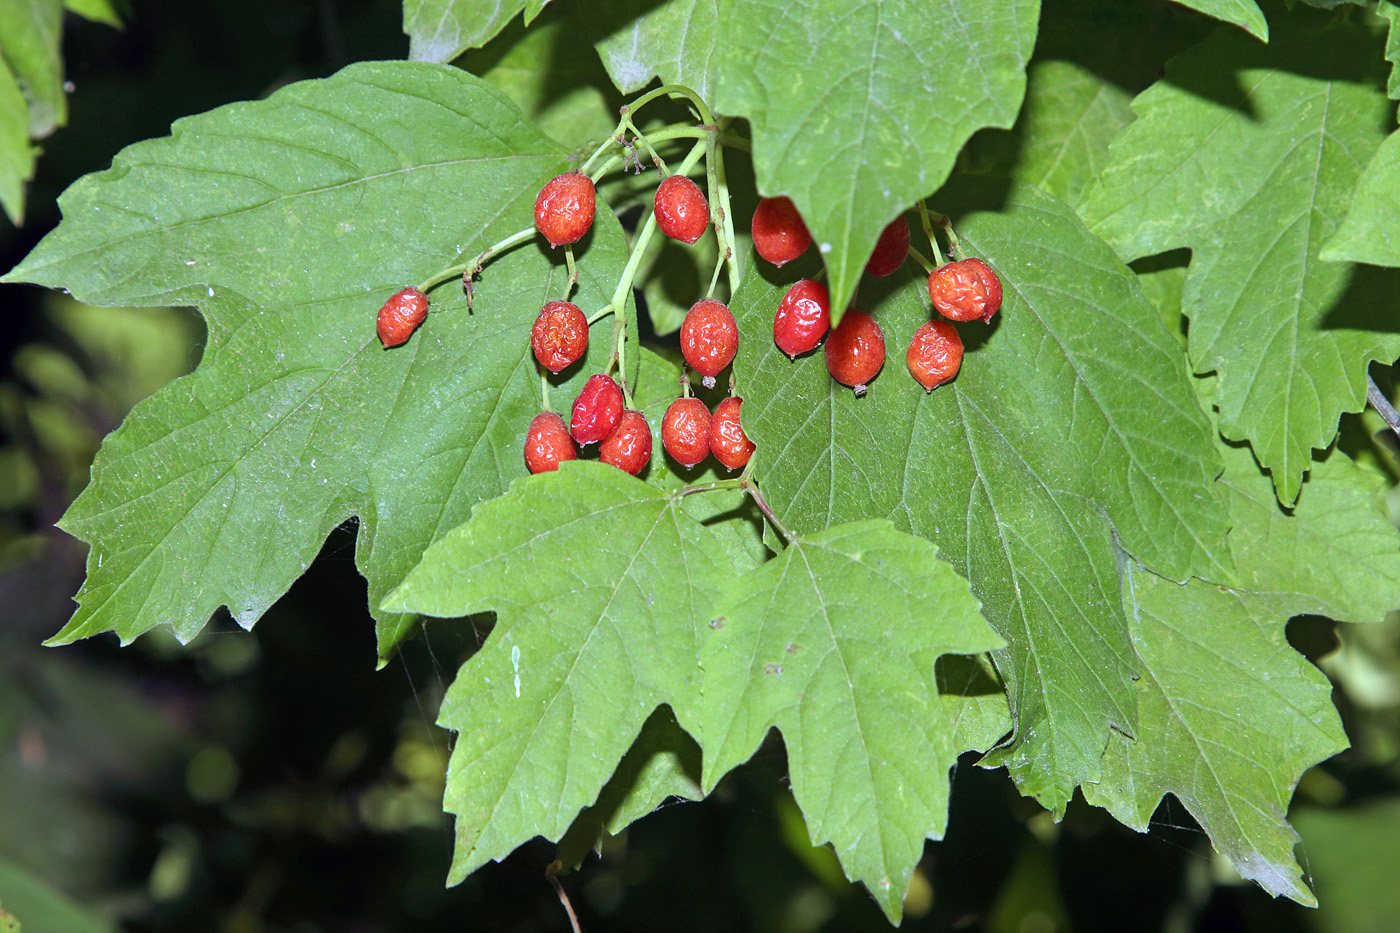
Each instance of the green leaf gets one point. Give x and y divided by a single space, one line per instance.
602 585
17 156
1221 686
675 40
1368 234
1249 155
289 221
1391 13
30 35
99 11
39 906
1242 13
1072 421
1351 856
833 642
440 30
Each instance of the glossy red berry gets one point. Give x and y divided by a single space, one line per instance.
681 211
779 235
935 354
560 335
547 443
803 317
855 351
992 283
728 442
685 431
890 250
597 410
400 316
628 447
709 338
960 290
564 208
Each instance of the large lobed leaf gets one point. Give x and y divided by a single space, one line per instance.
440 30
1072 422
1249 155
288 221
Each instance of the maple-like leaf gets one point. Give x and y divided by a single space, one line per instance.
1249 155
1072 423
288 222
440 30
834 643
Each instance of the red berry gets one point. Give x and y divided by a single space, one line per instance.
597 410
803 317
681 211
890 250
547 443
560 335
564 208
960 293
685 431
629 446
935 354
992 283
779 234
728 442
855 351
709 338
400 316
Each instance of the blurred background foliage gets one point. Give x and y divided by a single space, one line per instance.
273 781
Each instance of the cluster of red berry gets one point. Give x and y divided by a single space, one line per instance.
855 351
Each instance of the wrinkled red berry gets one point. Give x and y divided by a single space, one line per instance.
960 290
547 443
628 447
855 351
992 283
779 235
709 338
597 410
803 317
400 316
560 335
681 211
685 431
890 250
564 208
728 442
935 354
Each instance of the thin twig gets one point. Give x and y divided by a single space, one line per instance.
552 873
1380 403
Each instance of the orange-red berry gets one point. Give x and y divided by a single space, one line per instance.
803 317
628 447
547 443
855 351
728 442
890 250
685 431
935 354
961 291
709 338
400 316
564 208
597 410
681 211
560 335
992 284
779 235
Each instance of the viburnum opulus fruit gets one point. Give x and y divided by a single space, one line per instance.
709 338
965 290
890 250
803 317
935 354
779 235
564 208
560 335
681 211
628 447
855 351
728 442
597 410
547 443
685 431
400 316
